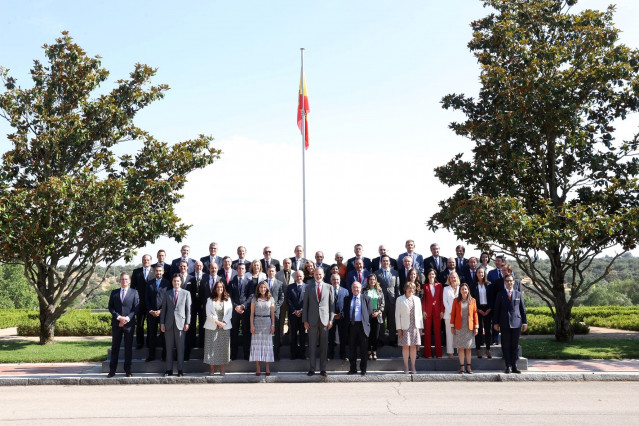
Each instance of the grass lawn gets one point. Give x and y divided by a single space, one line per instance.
14 351
580 349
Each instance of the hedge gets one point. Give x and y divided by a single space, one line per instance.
80 322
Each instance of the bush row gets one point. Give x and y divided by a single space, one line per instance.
545 324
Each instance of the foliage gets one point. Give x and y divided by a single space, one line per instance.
65 194
13 317
547 177
545 324
80 322
15 290
584 348
24 351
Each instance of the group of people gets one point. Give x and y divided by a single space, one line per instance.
360 302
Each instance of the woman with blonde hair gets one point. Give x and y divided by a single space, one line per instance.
410 324
450 293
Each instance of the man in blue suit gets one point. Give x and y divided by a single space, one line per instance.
123 305
359 274
510 319
339 323
358 308
359 250
190 263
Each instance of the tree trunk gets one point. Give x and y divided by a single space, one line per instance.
47 325
563 330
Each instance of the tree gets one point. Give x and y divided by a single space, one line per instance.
547 177
64 193
15 290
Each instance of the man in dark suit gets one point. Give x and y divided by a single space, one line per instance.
174 323
317 315
407 263
276 288
388 279
510 319
319 263
238 293
298 261
210 281
377 262
190 263
155 289
450 268
161 256
436 262
286 277
496 274
359 251
227 273
123 306
359 274
358 309
212 257
418 259
185 277
340 326
468 274
295 300
268 260
460 261
506 269
197 287
241 258
139 278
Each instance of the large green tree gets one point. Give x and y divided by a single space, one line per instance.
65 195
547 177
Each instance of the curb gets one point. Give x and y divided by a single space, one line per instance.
333 378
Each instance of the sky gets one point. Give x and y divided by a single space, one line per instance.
376 72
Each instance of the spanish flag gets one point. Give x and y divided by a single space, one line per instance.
303 106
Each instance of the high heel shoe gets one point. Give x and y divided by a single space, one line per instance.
257 374
374 356
488 354
468 370
461 368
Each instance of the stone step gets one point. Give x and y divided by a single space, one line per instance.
395 364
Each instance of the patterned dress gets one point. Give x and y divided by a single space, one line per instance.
217 350
464 338
262 340
410 336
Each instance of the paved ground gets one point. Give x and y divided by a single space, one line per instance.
332 403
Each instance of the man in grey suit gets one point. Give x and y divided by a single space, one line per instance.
358 309
277 291
317 314
211 258
389 280
174 322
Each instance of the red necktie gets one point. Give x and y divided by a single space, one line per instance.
175 300
510 295
228 279
359 277
319 293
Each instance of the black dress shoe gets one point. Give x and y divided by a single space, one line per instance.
345 359
516 370
111 374
507 370
138 347
324 373
128 374
187 358
180 373
363 373
310 373
149 359
351 372
168 373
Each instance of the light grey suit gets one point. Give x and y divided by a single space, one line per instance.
391 286
174 317
318 314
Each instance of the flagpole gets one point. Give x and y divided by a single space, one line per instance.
303 156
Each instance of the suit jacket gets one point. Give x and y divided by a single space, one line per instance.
509 313
327 269
154 295
198 289
294 261
273 262
339 299
277 292
446 274
295 298
124 308
377 264
461 265
206 262
352 276
402 313
186 281
138 282
206 282
494 275
391 287
418 261
430 262
178 314
433 306
238 291
490 293
222 274
175 266
167 271
237 262
456 315
316 310
211 315
467 277
500 286
380 306
282 277
366 309
368 265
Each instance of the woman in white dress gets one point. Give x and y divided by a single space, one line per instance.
450 293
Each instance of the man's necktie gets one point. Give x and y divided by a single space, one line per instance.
175 298
319 293
122 295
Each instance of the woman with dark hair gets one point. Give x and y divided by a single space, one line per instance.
482 292
219 310
309 270
335 270
433 311
374 291
484 259
464 326
262 327
409 322
413 278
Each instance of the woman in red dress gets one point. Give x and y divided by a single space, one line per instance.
433 310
